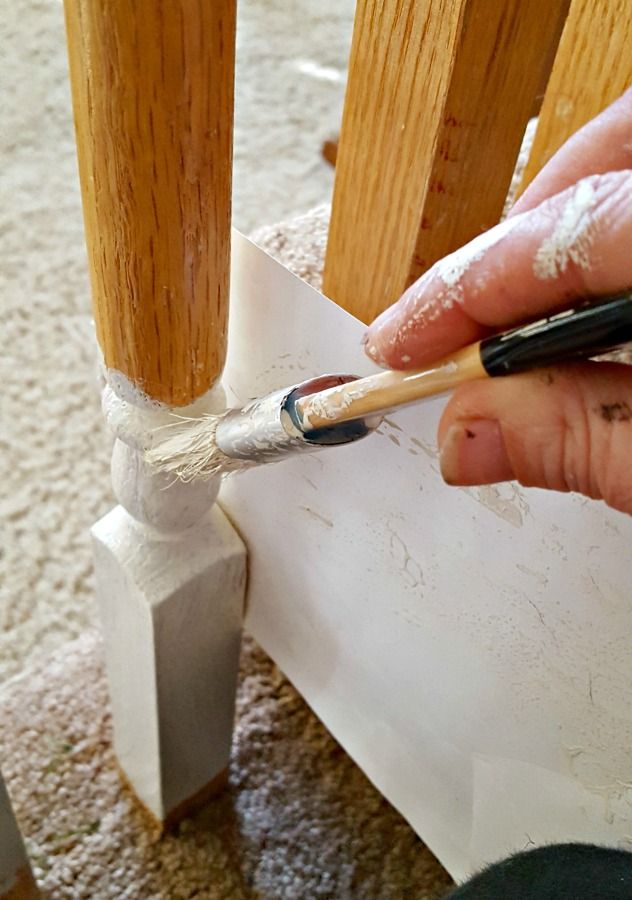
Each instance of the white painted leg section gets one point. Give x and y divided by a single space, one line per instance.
171 573
16 879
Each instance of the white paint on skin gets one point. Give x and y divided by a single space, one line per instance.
450 272
572 236
452 268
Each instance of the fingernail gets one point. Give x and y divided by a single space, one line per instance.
372 350
474 452
373 339
374 353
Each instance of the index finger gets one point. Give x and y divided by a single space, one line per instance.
575 244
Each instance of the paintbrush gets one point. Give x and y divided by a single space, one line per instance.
339 409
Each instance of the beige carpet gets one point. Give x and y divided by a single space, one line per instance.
299 820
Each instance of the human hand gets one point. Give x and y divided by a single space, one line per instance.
566 428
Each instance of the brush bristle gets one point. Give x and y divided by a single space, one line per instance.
189 450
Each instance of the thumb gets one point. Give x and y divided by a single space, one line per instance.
566 429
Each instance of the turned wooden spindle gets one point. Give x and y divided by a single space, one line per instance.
152 84
152 87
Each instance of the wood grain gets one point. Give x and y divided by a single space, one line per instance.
24 886
152 86
437 101
592 68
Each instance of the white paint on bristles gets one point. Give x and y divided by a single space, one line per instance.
263 431
572 236
187 448
210 446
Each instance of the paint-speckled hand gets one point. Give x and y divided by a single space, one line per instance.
569 237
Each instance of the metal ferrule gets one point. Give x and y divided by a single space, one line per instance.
269 429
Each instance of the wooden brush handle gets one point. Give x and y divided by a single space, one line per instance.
386 390
587 331
152 87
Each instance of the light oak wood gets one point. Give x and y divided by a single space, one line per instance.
152 86
592 68
438 97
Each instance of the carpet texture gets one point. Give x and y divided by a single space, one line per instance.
299 819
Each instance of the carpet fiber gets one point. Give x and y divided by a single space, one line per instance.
299 819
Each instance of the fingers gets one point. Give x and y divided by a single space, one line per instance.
573 245
603 145
566 429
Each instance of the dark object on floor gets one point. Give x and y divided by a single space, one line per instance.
329 150
558 872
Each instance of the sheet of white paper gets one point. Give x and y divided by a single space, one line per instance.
428 626
528 806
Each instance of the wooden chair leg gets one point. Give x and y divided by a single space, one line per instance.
16 878
152 85
593 66
438 97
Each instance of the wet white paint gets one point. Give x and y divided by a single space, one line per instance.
170 572
452 268
442 285
140 421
